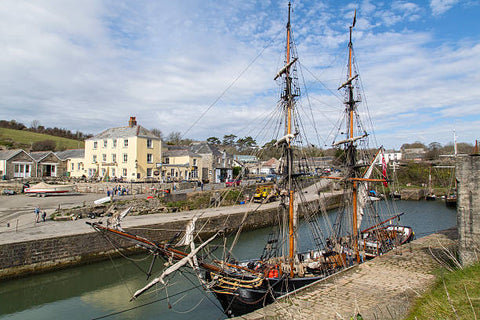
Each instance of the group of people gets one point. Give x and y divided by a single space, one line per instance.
117 190
39 213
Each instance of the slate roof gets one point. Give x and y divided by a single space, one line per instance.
40 155
71 153
7 154
179 153
125 132
204 148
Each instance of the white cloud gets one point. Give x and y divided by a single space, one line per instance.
439 7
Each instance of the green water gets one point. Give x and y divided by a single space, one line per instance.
100 289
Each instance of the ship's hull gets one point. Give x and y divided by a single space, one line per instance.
451 202
245 300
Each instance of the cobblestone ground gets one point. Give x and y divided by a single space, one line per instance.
382 288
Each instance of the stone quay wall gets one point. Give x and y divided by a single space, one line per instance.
468 206
28 257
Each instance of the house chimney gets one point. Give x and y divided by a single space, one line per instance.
132 122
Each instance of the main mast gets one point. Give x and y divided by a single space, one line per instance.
351 149
289 153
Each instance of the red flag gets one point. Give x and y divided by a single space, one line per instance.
384 171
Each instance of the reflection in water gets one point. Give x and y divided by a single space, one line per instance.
99 289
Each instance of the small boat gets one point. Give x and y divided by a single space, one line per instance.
44 189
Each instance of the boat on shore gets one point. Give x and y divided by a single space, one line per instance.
43 189
358 232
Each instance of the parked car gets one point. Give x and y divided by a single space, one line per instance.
271 177
233 183
260 179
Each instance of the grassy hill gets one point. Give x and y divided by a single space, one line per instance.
24 139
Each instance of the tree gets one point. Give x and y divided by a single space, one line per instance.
157 132
174 138
214 141
34 125
44 145
246 144
229 140
433 151
416 144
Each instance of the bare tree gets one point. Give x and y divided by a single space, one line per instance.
157 132
34 125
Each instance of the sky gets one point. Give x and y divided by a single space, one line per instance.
205 68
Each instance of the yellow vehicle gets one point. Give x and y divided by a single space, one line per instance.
267 191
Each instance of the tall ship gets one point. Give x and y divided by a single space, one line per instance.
335 241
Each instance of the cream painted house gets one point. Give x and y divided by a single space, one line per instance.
75 159
132 153
181 164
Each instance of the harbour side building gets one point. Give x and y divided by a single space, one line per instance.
132 153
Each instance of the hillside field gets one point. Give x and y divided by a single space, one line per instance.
23 140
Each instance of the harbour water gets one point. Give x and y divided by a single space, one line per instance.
104 289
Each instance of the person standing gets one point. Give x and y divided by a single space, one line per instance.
37 214
44 216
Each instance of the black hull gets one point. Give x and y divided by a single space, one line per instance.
245 300
451 203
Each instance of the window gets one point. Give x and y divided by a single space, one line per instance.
149 172
95 144
78 166
104 157
114 158
94 158
113 172
125 157
105 143
73 166
218 160
149 158
149 143
194 162
172 172
103 172
124 173
125 142
114 144
166 160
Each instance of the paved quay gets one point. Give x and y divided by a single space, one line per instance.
17 212
382 288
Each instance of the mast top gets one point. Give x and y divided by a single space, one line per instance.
289 9
353 25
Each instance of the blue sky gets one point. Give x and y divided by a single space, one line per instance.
90 65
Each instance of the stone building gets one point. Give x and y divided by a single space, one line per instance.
468 214
16 163
48 164
217 166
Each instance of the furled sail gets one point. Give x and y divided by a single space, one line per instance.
363 188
